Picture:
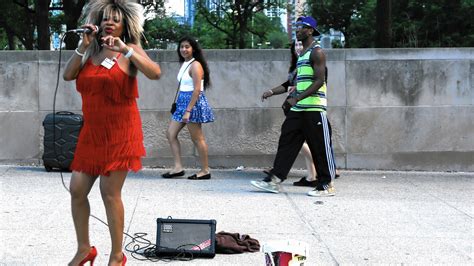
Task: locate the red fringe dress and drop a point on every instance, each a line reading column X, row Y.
column 111, row 137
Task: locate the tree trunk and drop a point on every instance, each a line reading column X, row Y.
column 71, row 40
column 242, row 34
column 11, row 39
column 28, row 43
column 383, row 29
column 42, row 24
column 24, row 26
column 240, row 12
column 72, row 12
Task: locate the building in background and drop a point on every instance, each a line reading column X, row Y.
column 56, row 36
column 296, row 8
column 175, row 9
column 190, row 9
column 333, row 39
column 278, row 13
column 189, row 12
column 180, row 19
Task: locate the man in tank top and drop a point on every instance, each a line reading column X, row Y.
column 306, row 119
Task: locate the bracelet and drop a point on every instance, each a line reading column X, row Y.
column 78, row 53
column 188, row 111
column 271, row 92
column 129, row 53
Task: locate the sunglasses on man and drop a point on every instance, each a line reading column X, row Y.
column 299, row 27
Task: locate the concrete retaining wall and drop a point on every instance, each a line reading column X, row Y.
column 401, row 109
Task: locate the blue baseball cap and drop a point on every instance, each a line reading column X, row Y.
column 310, row 22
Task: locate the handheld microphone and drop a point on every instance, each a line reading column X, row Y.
column 83, row 30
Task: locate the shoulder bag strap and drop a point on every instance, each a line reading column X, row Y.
column 179, row 84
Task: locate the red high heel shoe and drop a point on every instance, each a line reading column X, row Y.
column 90, row 257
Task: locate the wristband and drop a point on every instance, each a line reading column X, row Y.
column 188, row 111
column 271, row 92
column 129, row 53
column 78, row 53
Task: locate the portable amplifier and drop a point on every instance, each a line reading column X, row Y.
column 183, row 237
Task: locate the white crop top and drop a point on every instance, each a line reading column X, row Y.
column 186, row 80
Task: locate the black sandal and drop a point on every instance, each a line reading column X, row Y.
column 303, row 182
column 169, row 175
column 195, row 177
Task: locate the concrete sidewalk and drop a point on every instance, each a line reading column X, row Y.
column 375, row 218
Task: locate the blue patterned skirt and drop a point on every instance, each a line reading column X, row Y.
column 201, row 112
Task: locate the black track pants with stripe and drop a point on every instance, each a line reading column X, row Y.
column 314, row 128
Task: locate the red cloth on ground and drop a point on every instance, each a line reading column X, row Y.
column 111, row 137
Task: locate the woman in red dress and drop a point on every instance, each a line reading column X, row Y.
column 110, row 144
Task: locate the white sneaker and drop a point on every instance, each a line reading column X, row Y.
column 270, row 186
column 330, row 191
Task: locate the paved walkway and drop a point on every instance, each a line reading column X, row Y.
column 375, row 218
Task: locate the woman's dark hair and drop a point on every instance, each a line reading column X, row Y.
column 294, row 58
column 198, row 55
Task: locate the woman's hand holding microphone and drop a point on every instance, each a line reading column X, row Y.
column 87, row 37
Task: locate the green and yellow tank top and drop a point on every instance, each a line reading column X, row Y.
column 316, row 102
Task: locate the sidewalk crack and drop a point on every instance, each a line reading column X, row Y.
column 314, row 231
column 133, row 212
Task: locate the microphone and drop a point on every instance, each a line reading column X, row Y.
column 83, row 30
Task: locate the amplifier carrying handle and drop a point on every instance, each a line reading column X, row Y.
column 64, row 113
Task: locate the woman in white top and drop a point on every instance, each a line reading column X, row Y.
column 192, row 108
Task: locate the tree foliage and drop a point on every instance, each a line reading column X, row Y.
column 439, row 23
column 261, row 30
column 208, row 36
column 161, row 31
column 414, row 23
column 337, row 14
column 233, row 17
column 27, row 23
column 359, row 34
column 18, row 24
column 278, row 39
column 265, row 29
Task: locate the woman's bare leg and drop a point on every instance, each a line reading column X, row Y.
column 199, row 140
column 111, row 191
column 79, row 187
column 309, row 162
column 172, row 135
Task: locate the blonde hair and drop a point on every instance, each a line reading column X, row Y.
column 130, row 12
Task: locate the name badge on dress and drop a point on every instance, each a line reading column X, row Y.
column 108, row 63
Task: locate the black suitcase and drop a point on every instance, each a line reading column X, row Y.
column 185, row 238
column 60, row 144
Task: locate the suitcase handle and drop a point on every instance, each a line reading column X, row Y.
column 64, row 113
